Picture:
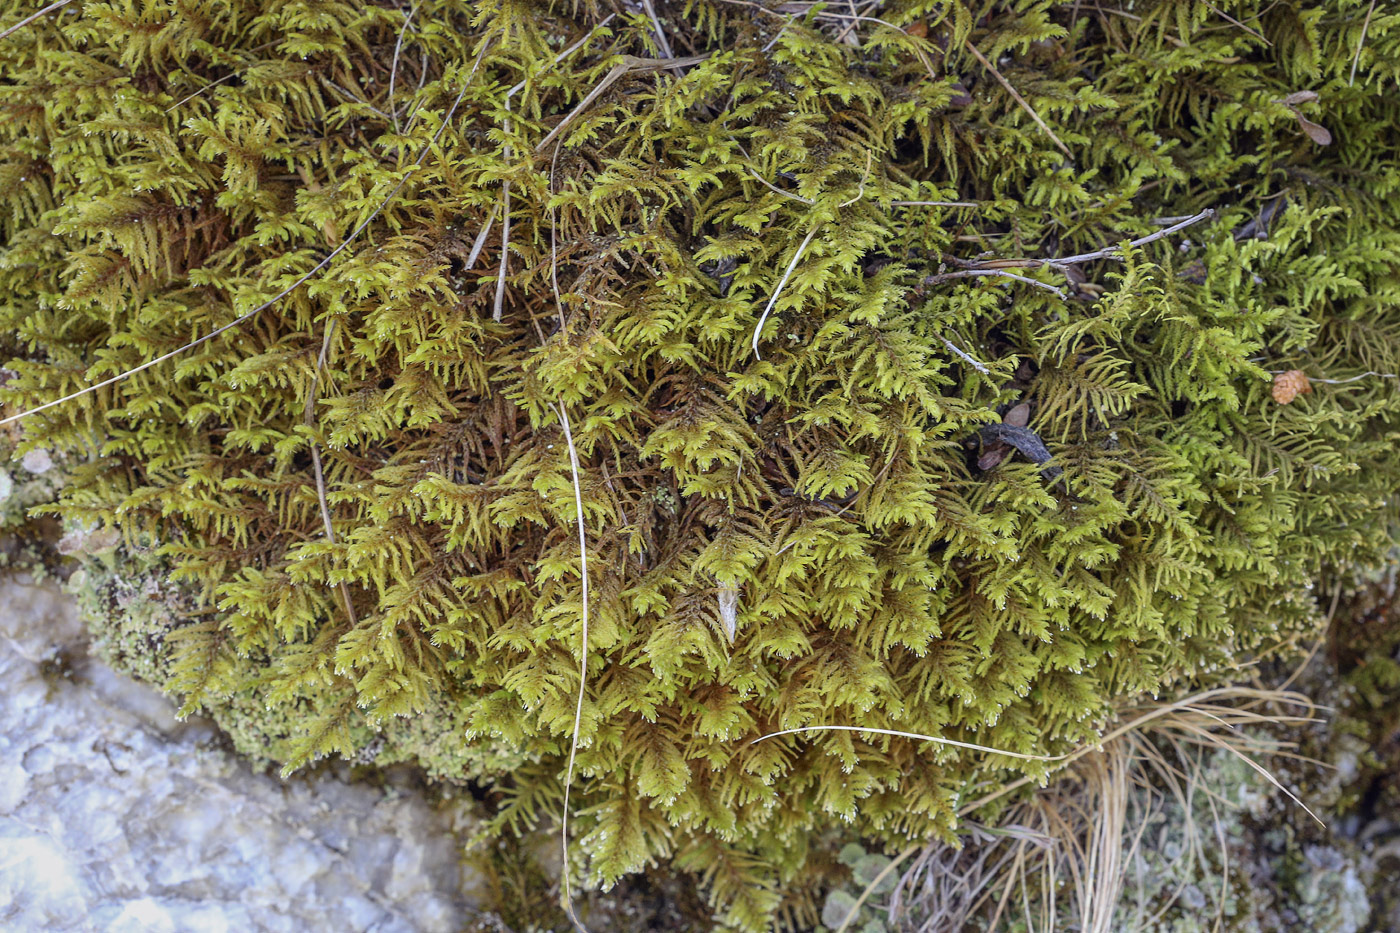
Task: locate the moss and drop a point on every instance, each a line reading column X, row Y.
column 128, row 600
column 26, row 543
column 431, row 245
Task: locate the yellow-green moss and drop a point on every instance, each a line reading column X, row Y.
column 167, row 166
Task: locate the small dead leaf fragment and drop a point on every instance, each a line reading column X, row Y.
column 1290, row 385
column 1019, row 416
column 992, row 457
column 729, row 609
column 1300, row 97
column 1316, row 132
column 918, row 30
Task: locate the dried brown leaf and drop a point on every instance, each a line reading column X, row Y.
column 992, row 456
column 1316, row 132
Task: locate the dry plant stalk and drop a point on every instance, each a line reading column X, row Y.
column 565, row 893
column 62, row 3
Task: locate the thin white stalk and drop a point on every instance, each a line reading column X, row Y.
column 33, row 16
column 913, row 735
column 582, row 664
column 758, row 330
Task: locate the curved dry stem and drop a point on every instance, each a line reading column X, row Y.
column 914, row 735
column 1089, row 814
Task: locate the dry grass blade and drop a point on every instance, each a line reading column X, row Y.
column 777, row 190
column 499, row 303
column 212, row 84
column 1111, row 252
column 763, row 318
column 1084, row 831
column 480, row 243
column 662, row 42
column 566, row 894
column 1003, row 273
column 935, row 204
column 352, row 96
column 33, row 16
column 309, row 419
column 629, row 63
column 1016, row 95
column 1361, row 43
column 965, row 356
column 1228, row 18
column 872, row 886
column 394, row 66
column 913, row 735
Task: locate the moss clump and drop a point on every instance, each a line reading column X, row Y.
column 776, row 355
column 129, row 602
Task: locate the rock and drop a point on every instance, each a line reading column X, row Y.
column 115, row 817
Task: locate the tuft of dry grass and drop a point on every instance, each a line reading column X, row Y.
column 1064, row 851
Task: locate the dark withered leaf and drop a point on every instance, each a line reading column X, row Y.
column 992, row 456
column 1026, row 441
column 1258, row 226
column 1316, row 132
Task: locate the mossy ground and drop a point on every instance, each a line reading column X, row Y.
column 508, row 305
